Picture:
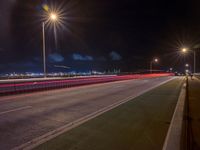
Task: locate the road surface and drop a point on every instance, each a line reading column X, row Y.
column 25, row 117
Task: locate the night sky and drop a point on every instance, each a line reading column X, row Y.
column 99, row 34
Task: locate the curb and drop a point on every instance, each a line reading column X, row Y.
column 174, row 134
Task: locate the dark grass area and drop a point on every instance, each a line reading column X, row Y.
column 140, row 124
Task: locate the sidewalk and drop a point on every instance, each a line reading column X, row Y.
column 194, row 113
column 140, row 124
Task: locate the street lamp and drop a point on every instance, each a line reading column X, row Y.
column 53, row 17
column 151, row 63
column 186, row 71
column 184, row 50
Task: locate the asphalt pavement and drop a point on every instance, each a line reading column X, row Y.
column 139, row 124
column 28, row 116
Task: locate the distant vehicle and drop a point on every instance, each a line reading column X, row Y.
column 178, row 74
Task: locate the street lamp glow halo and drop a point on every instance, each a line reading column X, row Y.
column 53, row 17
column 184, row 50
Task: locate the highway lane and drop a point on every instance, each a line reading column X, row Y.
column 24, row 117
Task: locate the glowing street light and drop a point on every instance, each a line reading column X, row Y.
column 155, row 60
column 186, row 65
column 53, row 17
column 184, row 50
column 151, row 63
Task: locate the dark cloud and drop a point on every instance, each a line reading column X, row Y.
column 115, row 56
column 55, row 57
column 79, row 57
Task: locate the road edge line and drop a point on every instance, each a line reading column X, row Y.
column 52, row 134
column 175, row 130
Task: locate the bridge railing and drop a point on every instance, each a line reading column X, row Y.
column 17, row 88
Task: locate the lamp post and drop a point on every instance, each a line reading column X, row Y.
column 184, row 50
column 52, row 17
column 151, row 64
column 44, row 50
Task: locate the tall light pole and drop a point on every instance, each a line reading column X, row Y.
column 52, row 17
column 184, row 50
column 194, row 61
column 44, row 50
column 151, row 63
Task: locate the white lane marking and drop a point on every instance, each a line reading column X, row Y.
column 13, row 110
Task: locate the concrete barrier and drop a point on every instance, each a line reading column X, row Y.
column 16, row 88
